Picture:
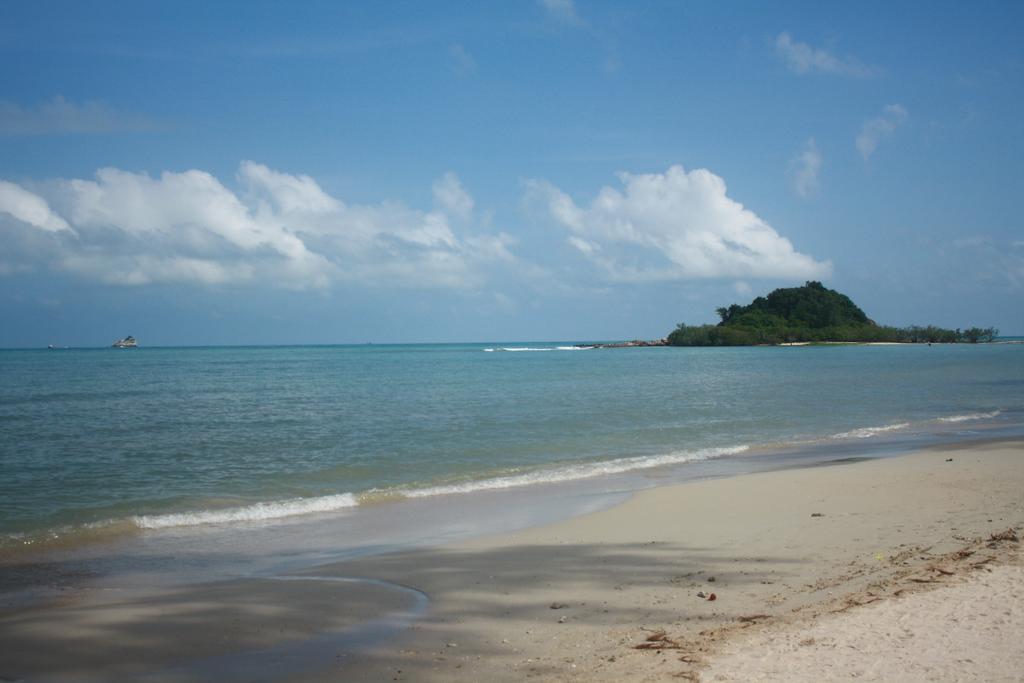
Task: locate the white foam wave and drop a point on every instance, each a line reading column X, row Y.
column 538, row 348
column 574, row 472
column 970, row 416
column 868, row 432
column 248, row 513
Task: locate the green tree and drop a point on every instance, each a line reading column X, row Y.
column 811, row 313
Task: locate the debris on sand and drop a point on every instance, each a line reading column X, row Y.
column 658, row 640
column 1008, row 535
column 752, row 618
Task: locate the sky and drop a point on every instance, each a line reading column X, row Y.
column 198, row 173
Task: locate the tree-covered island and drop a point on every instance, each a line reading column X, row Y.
column 812, row 313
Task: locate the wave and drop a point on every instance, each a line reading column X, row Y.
column 868, row 432
column 280, row 509
column 285, row 508
column 536, row 348
column 248, row 513
column 302, row 506
column 970, row 416
column 574, row 472
column 276, row 510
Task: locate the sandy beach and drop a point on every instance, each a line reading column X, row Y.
column 569, row 341
column 815, row 573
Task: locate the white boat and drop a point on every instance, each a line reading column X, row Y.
column 126, row 343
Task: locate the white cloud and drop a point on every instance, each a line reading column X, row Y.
column 741, row 288
column 61, row 116
column 563, row 14
column 144, row 269
column 588, row 248
column 873, row 130
column 804, row 169
column 674, row 225
column 462, row 62
column 562, row 11
column 971, row 242
column 29, row 208
column 450, row 197
column 802, row 58
column 279, row 230
column 983, row 258
column 286, row 193
column 13, row 268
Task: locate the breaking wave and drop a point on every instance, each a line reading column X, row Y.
column 970, row 416
column 868, row 432
column 537, row 348
column 248, row 513
column 574, row 472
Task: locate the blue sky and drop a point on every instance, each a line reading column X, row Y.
column 229, row 173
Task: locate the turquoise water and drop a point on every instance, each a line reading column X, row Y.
column 165, row 437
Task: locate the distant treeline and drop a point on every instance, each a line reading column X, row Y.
column 811, row 313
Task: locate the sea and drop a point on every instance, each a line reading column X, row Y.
column 323, row 452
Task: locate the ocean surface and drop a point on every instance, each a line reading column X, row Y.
column 103, row 442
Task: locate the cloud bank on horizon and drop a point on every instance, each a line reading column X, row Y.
column 126, row 228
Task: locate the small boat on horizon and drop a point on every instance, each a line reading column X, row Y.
column 126, row 343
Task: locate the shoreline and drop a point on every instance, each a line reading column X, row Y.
column 571, row 600
column 628, row 471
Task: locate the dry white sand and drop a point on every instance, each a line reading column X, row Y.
column 972, row 631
